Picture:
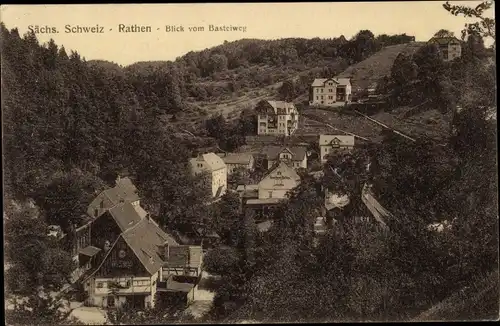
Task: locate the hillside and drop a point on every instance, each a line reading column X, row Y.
column 478, row 301
column 235, row 75
column 367, row 73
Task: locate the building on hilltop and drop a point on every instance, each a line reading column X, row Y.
column 215, row 169
column 334, row 143
column 237, row 160
column 294, row 156
column 449, row 47
column 330, row 92
column 277, row 118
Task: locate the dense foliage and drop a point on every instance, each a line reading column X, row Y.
column 70, row 126
column 443, row 228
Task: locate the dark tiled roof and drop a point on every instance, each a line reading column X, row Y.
column 236, row 158
column 147, row 240
column 123, row 191
column 272, row 152
column 125, row 215
column 444, row 40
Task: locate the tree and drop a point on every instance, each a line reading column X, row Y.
column 443, row 33
column 225, row 216
column 33, row 254
column 484, row 27
column 65, row 200
column 287, row 90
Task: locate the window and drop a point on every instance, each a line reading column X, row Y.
column 321, row 96
column 317, row 97
column 330, row 90
column 279, row 173
column 200, row 165
column 99, row 285
column 270, row 194
column 322, row 90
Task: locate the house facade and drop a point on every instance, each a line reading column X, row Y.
column 330, row 92
column 235, row 161
column 294, row 156
column 449, row 47
column 334, row 143
column 278, row 182
column 215, row 169
column 128, row 261
column 276, row 118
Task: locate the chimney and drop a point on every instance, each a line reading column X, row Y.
column 118, row 178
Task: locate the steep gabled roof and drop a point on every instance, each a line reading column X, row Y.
column 285, row 167
column 147, row 240
column 125, row 215
column 273, row 152
column 344, row 140
column 213, row 161
column 444, row 40
column 123, row 191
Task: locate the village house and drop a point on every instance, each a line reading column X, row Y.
column 294, row 156
column 449, row 47
column 78, row 241
column 277, row 118
column 330, row 92
column 215, row 169
column 131, row 262
column 333, row 143
column 273, row 188
column 235, row 161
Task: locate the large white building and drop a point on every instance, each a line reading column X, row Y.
column 330, row 91
column 216, row 171
column 277, row 118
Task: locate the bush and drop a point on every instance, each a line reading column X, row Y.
column 220, row 260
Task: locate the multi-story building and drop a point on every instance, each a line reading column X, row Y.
column 215, row 169
column 278, row 182
column 130, row 263
column 294, row 156
column 329, row 144
column 330, row 92
column 449, row 47
column 277, row 118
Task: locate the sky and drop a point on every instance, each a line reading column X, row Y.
column 261, row 20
